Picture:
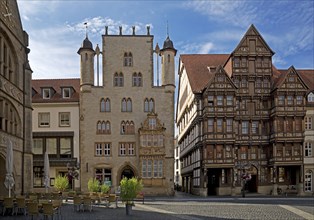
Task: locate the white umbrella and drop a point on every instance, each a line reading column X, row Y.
column 9, row 180
column 46, row 171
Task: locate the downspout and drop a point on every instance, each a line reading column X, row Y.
column 24, row 121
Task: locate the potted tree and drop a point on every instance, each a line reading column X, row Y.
column 129, row 190
column 93, row 185
column 61, row 183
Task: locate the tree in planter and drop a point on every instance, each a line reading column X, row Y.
column 61, row 183
column 129, row 190
column 93, row 185
column 104, row 188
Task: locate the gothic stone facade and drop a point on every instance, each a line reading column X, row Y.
column 238, row 116
column 15, row 98
column 126, row 122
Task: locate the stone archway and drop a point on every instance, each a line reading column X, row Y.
column 126, row 170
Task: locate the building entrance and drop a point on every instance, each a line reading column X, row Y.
column 212, row 181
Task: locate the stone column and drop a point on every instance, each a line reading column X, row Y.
column 275, row 185
column 300, row 177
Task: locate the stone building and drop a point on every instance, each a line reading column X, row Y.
column 56, row 130
column 127, row 122
column 15, row 98
column 239, row 118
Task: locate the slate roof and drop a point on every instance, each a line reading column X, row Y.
column 56, row 85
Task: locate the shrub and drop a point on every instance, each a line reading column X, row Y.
column 104, row 188
column 93, row 185
column 61, row 183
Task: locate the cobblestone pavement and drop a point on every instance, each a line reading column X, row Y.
column 189, row 207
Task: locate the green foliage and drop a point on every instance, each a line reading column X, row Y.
column 129, row 189
column 104, row 188
column 61, row 183
column 93, row 185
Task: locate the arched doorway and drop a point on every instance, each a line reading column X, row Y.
column 127, row 172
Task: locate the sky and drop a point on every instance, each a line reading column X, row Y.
column 56, row 28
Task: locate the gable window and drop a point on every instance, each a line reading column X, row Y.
column 128, row 59
column 46, row 94
column 310, row 97
column 152, row 123
column 44, row 119
column 66, row 93
column 64, row 119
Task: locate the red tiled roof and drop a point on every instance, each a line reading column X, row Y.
column 57, row 85
column 308, row 77
column 196, row 66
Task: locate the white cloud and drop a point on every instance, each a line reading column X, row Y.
column 30, row 8
column 206, row 48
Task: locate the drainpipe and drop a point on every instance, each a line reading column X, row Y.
column 24, row 121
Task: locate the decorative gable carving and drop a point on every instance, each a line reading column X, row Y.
column 152, row 123
column 220, row 80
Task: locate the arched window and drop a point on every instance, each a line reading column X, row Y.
column 168, row 58
column 7, row 67
column 98, row 127
column 108, row 129
column 123, row 128
column 123, row 105
column 102, row 105
column 129, row 105
column 120, row 83
column 128, row 59
column 146, row 105
column 103, row 127
column 131, row 128
column 151, row 105
column 116, row 79
column 137, row 79
column 107, row 105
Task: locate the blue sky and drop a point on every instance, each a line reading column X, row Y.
column 56, row 28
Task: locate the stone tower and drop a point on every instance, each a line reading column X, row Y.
column 167, row 54
column 87, row 54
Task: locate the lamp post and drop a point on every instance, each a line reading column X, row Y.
column 73, row 172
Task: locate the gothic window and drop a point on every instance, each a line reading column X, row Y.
column 129, row 105
column 118, row 80
column 151, row 105
column 102, row 105
column 107, row 105
column 128, row 59
column 152, row 168
column 152, row 123
column 103, row 127
column 137, row 79
column 146, row 105
column 7, row 61
column 127, row 127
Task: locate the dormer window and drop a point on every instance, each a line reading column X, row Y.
column 46, row 93
column 310, row 97
column 66, row 93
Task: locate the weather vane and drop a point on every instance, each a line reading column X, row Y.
column 85, row 28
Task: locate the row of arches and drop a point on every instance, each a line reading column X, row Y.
column 126, row 105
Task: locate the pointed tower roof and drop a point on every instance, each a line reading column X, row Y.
column 86, row 45
column 168, row 45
